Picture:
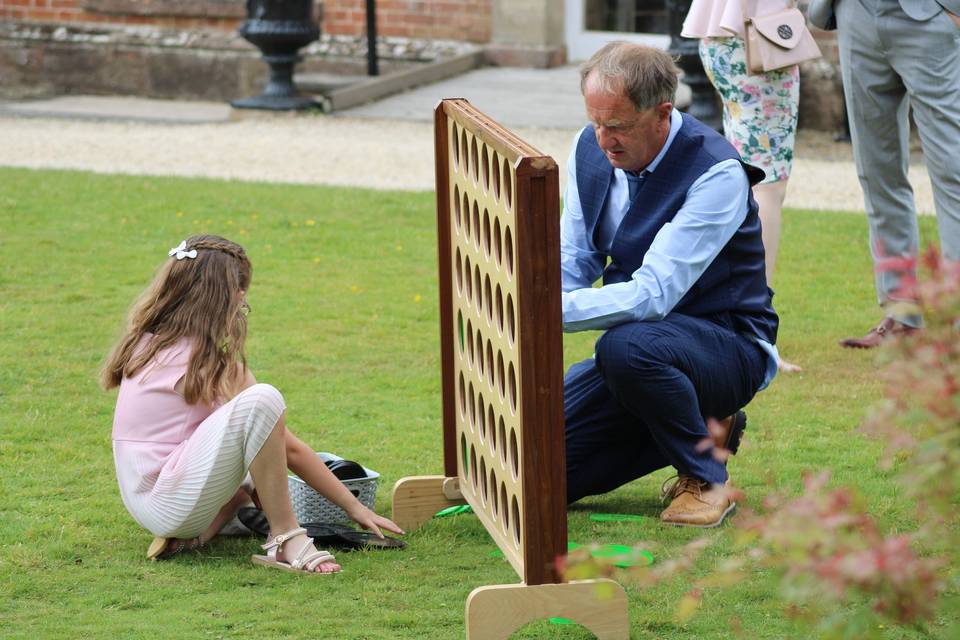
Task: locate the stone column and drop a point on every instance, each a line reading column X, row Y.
column 527, row 33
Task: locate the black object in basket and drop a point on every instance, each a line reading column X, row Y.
column 346, row 469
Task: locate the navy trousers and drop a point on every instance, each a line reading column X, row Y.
column 640, row 404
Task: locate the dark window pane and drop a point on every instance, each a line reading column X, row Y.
column 628, row 16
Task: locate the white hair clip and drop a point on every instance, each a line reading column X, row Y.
column 181, row 251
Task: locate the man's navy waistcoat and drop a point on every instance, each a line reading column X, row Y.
column 733, row 290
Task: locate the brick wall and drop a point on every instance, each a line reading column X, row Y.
column 87, row 12
column 468, row 20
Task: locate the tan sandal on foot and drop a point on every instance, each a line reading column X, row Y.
column 305, row 561
column 163, row 548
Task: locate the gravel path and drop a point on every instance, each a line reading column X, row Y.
column 350, row 151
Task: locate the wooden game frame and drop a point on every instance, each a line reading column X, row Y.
column 513, row 310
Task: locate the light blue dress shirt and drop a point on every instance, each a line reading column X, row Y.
column 713, row 210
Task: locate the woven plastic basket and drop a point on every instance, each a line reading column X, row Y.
column 310, row 506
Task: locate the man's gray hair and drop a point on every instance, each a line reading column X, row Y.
column 645, row 75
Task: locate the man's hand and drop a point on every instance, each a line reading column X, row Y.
column 954, row 17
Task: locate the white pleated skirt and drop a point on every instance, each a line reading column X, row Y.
column 202, row 473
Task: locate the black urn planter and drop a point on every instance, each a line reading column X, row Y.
column 703, row 105
column 279, row 28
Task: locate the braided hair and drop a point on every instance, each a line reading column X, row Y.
column 198, row 297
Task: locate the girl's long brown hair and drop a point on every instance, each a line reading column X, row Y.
column 195, row 298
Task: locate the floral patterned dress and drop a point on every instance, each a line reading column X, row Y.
column 759, row 111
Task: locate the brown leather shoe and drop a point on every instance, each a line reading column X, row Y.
column 733, row 428
column 887, row 328
column 696, row 503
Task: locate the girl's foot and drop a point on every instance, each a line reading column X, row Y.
column 163, row 548
column 302, row 546
column 294, row 551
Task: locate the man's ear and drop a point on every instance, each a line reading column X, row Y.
column 663, row 111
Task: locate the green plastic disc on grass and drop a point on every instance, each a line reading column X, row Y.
column 454, row 510
column 611, row 551
column 561, row 621
column 630, row 557
column 616, row 517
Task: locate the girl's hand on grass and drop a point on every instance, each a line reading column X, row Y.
column 370, row 520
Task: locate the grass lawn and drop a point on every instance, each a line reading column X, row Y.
column 344, row 323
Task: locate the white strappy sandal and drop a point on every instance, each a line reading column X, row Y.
column 305, row 561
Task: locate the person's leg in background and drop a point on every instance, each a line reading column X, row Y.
column 927, row 57
column 877, row 105
column 769, row 197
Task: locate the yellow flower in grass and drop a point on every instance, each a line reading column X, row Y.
column 310, row 223
column 179, row 214
column 354, row 288
column 417, row 298
column 316, row 260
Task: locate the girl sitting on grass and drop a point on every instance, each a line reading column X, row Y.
column 191, row 420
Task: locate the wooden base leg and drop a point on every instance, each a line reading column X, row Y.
column 416, row 499
column 496, row 611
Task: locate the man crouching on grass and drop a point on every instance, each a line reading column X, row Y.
column 659, row 205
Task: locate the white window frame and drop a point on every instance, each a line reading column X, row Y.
column 581, row 44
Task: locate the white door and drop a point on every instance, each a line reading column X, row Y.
column 590, row 24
